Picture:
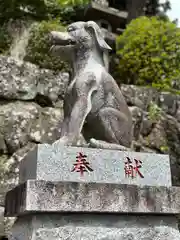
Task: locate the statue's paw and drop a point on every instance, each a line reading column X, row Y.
column 105, row 145
column 92, row 142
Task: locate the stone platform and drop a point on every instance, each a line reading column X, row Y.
column 42, row 196
column 55, row 163
column 93, row 211
column 93, row 226
column 106, row 202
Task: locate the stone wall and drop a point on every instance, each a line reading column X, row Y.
column 30, row 113
column 31, row 101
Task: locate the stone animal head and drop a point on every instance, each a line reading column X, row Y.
column 80, row 36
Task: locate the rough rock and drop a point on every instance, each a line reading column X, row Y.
column 139, row 96
column 168, row 103
column 21, row 122
column 47, row 126
column 25, row 81
column 52, row 86
column 151, row 139
column 147, row 124
column 137, row 116
column 16, row 119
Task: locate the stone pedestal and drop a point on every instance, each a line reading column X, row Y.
column 49, row 226
column 55, row 163
column 103, row 203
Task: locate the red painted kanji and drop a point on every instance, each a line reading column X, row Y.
column 81, row 164
column 131, row 170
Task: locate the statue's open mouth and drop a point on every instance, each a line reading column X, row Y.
column 61, row 39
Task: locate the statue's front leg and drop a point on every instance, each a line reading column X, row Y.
column 64, row 128
column 72, row 126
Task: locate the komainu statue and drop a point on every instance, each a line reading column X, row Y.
column 93, row 99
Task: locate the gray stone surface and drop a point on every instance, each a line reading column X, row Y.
column 25, row 122
column 25, row 81
column 55, row 163
column 44, row 196
column 95, row 227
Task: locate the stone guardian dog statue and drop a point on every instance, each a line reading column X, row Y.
column 92, row 97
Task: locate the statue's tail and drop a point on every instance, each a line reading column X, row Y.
column 105, row 145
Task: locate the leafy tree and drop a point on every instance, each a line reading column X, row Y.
column 67, row 10
column 13, row 9
column 149, row 53
column 38, row 9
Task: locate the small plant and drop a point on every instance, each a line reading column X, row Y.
column 164, row 149
column 154, row 111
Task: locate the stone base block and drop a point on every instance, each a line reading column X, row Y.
column 94, row 227
column 43, row 196
column 57, row 163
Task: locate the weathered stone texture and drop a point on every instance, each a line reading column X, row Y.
column 25, row 81
column 48, row 196
column 53, row 162
column 95, row 227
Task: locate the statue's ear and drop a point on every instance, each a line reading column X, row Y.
column 98, row 35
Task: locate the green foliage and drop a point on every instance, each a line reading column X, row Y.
column 72, row 2
column 13, row 9
column 164, row 149
column 39, row 46
column 67, row 10
column 149, row 53
column 154, row 112
column 37, row 9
